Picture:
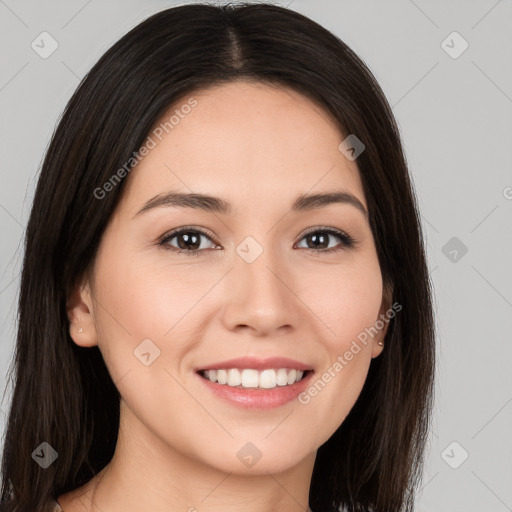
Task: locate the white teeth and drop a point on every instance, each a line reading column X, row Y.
column 292, row 375
column 249, row 378
column 234, row 377
column 282, row 377
column 268, row 379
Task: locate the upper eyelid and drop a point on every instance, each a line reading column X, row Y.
column 178, row 231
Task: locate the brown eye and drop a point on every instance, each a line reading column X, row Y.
column 188, row 241
column 318, row 240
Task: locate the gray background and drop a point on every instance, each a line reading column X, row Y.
column 455, row 118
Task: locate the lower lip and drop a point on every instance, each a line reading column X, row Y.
column 250, row 398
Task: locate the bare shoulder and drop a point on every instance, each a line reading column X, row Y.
column 74, row 501
column 56, row 506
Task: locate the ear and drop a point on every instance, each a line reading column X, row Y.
column 382, row 320
column 79, row 307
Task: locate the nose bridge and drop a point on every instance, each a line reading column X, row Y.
column 257, row 264
column 260, row 294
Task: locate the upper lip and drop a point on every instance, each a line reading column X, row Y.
column 257, row 364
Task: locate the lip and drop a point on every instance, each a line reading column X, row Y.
column 256, row 363
column 250, row 398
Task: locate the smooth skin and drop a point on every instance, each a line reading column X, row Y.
column 257, row 147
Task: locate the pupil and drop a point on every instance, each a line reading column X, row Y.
column 315, row 239
column 188, row 238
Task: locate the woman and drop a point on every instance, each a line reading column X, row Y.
column 225, row 301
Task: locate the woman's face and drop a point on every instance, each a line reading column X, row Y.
column 262, row 284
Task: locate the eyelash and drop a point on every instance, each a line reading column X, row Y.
column 347, row 241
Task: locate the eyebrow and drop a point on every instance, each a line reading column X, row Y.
column 305, row 202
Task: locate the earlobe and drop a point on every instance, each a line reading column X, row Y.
column 382, row 322
column 82, row 328
column 377, row 349
column 378, row 342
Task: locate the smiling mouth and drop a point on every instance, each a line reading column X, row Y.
column 248, row 378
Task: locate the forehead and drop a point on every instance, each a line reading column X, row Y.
column 245, row 142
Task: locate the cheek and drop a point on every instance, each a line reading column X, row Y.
column 149, row 305
column 143, row 319
column 347, row 301
column 345, row 298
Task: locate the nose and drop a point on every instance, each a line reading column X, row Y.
column 260, row 296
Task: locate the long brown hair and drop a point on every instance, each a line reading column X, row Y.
column 63, row 394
